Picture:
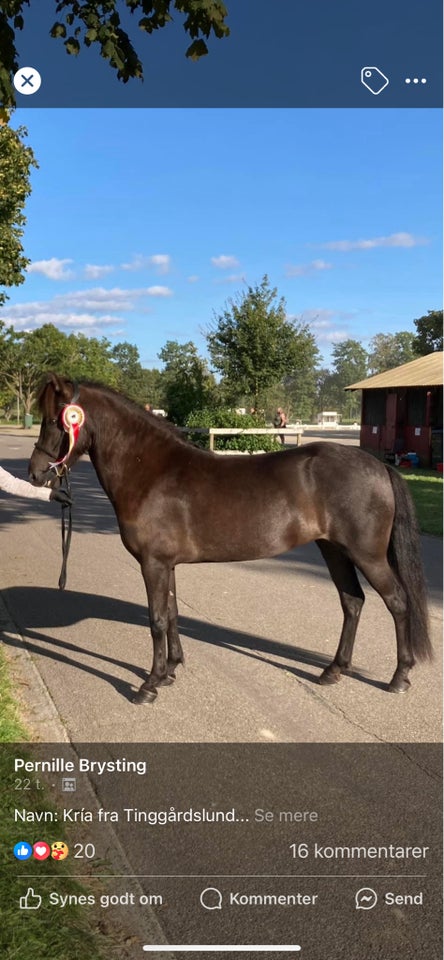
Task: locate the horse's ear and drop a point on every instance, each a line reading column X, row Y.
column 62, row 387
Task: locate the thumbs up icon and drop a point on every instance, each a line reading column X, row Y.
column 31, row 900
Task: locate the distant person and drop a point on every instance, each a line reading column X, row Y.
column 280, row 420
column 148, row 407
column 21, row 488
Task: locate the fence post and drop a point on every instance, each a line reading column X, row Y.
column 211, row 439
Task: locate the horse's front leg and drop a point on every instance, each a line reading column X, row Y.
column 175, row 652
column 156, row 575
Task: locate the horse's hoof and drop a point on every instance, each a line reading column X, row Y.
column 145, row 696
column 328, row 678
column 399, row 686
column 168, row 680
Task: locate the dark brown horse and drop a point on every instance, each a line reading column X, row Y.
column 178, row 504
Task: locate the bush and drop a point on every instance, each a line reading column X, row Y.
column 224, row 417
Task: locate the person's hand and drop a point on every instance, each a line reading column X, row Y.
column 61, row 496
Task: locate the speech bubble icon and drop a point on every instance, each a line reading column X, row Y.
column 211, row 898
column 366, row 898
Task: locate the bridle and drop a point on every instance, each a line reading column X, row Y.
column 72, row 417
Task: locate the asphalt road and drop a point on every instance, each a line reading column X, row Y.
column 255, row 635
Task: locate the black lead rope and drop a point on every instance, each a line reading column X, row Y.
column 66, row 529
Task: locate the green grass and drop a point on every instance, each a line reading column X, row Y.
column 426, row 489
column 11, row 726
column 49, row 933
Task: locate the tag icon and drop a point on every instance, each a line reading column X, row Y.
column 374, row 79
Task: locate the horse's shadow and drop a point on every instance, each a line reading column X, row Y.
column 42, row 607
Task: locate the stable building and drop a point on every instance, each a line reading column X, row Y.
column 402, row 410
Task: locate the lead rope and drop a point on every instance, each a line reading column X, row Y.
column 66, row 529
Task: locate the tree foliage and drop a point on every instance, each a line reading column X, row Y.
column 389, row 350
column 188, row 384
column 25, row 356
column 103, row 23
column 227, row 417
column 16, row 160
column 254, row 346
column 350, row 364
column 429, row 333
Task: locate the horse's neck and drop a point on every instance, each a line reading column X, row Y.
column 113, row 450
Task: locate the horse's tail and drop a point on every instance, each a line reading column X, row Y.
column 404, row 556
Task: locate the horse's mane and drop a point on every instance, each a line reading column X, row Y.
column 158, row 423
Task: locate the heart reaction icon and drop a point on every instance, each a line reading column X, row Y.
column 41, row 850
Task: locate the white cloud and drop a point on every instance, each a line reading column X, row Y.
column 304, row 269
column 95, row 271
column 93, row 311
column 224, row 262
column 30, row 316
column 328, row 326
column 231, row 278
column 159, row 292
column 394, row 240
column 160, row 261
column 193, row 279
column 53, row 269
column 99, row 298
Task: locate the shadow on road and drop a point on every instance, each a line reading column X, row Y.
column 49, row 609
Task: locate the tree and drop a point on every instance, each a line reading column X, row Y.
column 24, row 358
column 388, row 350
column 428, row 333
column 16, row 160
column 99, row 22
column 349, row 361
column 152, row 387
column 89, row 358
column 254, row 346
column 128, row 369
column 328, row 392
column 350, row 365
column 188, row 384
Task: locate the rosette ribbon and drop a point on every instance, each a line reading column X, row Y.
column 73, row 418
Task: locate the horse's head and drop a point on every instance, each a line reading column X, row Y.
column 63, row 435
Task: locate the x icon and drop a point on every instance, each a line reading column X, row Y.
column 27, row 81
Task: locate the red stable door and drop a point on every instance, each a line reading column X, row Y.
column 390, row 420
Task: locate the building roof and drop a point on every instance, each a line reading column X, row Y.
column 423, row 372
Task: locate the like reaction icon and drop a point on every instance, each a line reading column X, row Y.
column 22, row 850
column 31, row 900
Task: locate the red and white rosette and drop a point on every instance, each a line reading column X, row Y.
column 73, row 418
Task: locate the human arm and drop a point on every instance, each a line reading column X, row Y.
column 21, row 488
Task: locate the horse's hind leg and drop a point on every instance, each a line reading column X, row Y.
column 156, row 576
column 383, row 579
column 175, row 652
column 343, row 574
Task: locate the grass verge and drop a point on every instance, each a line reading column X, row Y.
column 426, row 489
column 49, row 933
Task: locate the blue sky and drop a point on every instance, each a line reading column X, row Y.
column 143, row 223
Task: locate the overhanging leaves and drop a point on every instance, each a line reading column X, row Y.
column 100, row 22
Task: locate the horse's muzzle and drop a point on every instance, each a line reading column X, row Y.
column 44, row 478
